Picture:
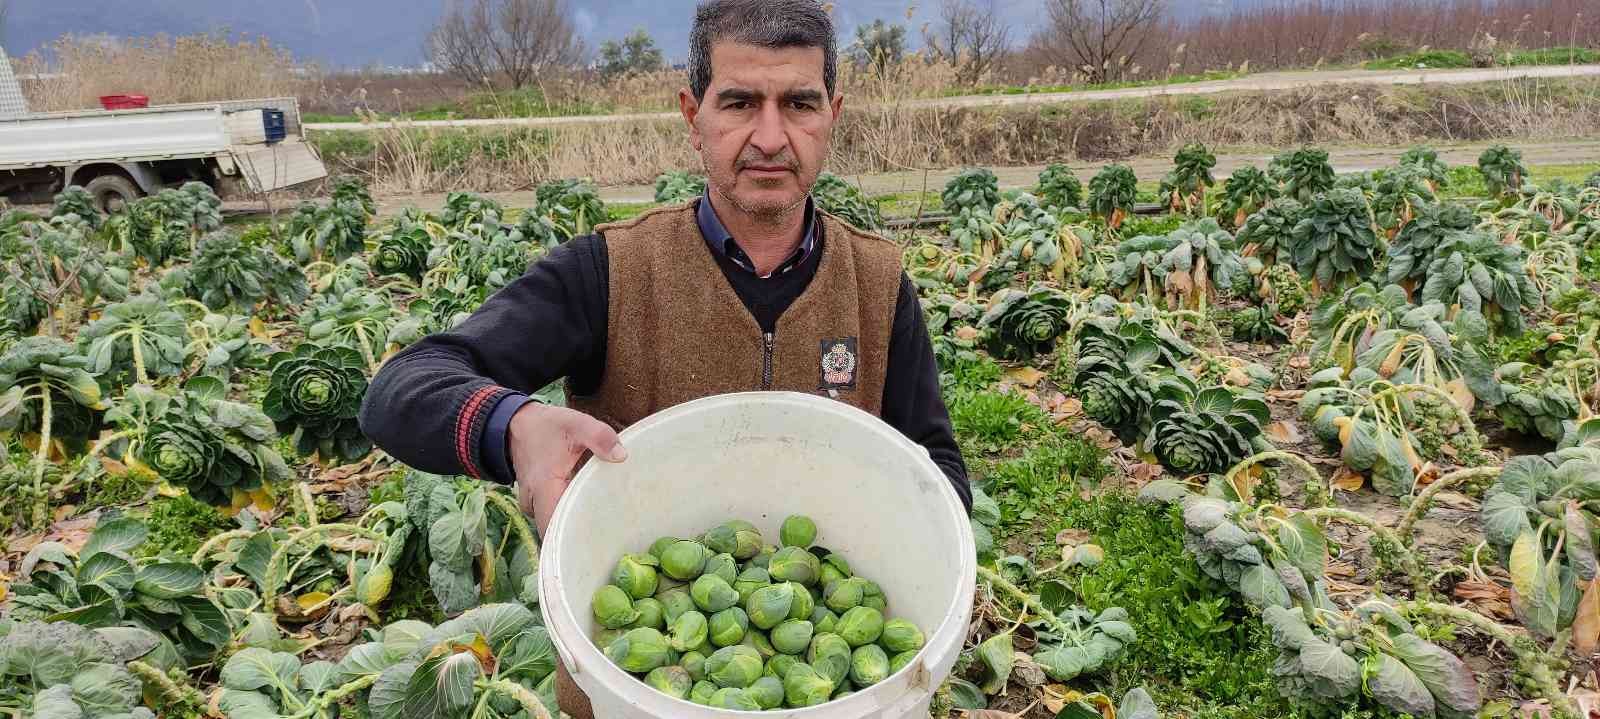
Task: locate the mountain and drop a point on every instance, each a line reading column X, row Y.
column 354, row 33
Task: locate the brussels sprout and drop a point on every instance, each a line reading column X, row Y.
column 900, row 635
column 613, row 609
column 712, row 594
column 694, row 663
column 651, row 614
column 780, row 664
column 792, row 636
column 861, row 625
column 636, row 574
column 684, row 560
column 749, row 580
column 797, row 531
column 764, row 557
column 724, row 566
column 824, row 620
column 759, row 642
column 899, row 661
column 873, row 597
column 728, row 627
column 734, row 699
column 830, row 656
column 843, row 692
column 767, row 691
column 770, row 605
column 605, row 637
column 702, row 692
column 868, row 665
column 738, row 538
column 665, row 583
column 675, row 602
column 689, row 632
column 659, row 547
column 805, row 602
column 829, row 575
column 674, row 681
column 794, row 564
column 844, row 594
column 737, row 666
column 803, row 686
column 639, row 651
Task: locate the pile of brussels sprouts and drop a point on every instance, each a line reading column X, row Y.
column 729, row 621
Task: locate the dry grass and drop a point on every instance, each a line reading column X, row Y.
column 902, row 137
column 76, row 71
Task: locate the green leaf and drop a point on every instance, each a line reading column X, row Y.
column 1289, row 629
column 123, row 534
column 104, row 689
column 255, row 556
column 497, row 623
column 56, row 703
column 1304, row 545
column 169, row 580
column 362, row 660
column 1445, row 675
column 1580, row 542
column 1137, row 704
column 236, row 704
column 474, row 522
column 389, row 691
column 1056, row 596
column 448, row 543
column 1261, row 587
column 1324, row 661
column 255, row 668
column 442, row 687
column 1505, row 517
column 1395, row 686
column 455, row 589
column 317, row 677
column 107, row 569
column 997, row 657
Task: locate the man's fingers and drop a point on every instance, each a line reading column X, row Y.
column 597, row 437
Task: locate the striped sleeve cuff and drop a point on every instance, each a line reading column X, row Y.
column 471, row 420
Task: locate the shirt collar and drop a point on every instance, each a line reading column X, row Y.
column 723, row 244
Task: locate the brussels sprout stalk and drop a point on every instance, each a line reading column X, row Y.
column 529, row 701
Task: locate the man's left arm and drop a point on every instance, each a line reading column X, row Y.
column 911, row 399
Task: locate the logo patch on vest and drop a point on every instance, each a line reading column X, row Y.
column 838, row 363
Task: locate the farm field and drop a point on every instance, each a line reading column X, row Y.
column 1318, row 439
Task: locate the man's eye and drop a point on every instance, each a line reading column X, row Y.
column 738, row 106
column 802, row 106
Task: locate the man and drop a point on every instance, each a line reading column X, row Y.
column 747, row 288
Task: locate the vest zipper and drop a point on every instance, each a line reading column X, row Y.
column 766, row 361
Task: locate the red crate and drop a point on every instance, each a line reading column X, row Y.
column 124, row 102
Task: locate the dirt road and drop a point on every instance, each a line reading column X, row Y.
column 1263, row 81
column 1344, row 159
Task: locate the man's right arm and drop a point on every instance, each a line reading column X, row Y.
column 442, row 404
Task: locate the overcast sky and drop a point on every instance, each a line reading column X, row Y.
column 345, row 33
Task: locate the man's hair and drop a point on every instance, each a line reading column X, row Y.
column 771, row 24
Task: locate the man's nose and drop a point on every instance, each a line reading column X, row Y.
column 769, row 136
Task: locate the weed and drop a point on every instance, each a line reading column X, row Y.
column 970, row 375
column 992, row 420
column 178, row 525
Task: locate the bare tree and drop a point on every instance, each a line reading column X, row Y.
column 509, row 41
column 1098, row 37
column 968, row 35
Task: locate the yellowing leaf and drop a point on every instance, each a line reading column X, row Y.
column 1525, row 564
column 1457, row 389
column 1284, row 432
column 262, row 500
column 1024, row 376
column 1586, row 625
column 1391, row 362
column 310, row 600
column 1347, row 479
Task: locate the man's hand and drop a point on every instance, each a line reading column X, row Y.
column 547, row 443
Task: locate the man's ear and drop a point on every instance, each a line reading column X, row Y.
column 838, row 106
column 690, row 108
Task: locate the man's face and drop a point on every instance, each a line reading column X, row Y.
column 762, row 129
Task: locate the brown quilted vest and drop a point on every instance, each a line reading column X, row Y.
column 677, row 331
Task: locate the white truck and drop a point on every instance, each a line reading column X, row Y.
column 121, row 155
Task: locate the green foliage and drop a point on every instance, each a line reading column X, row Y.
column 1187, row 266
column 1258, row 324
column 1059, row 188
column 846, row 201
column 992, row 419
column 1204, row 431
column 1184, row 189
column 55, row 266
column 351, row 189
column 166, row 225
column 636, row 53
column 1502, row 170
column 404, row 249
column 465, row 209
column 329, row 232
column 1536, row 517
column 1414, row 247
column 179, row 524
column 102, row 585
column 1020, row 325
column 573, row 205
column 1334, row 244
column 360, row 319
column 974, row 189
column 1117, row 371
column 1535, row 401
column 61, row 669
column 472, row 549
column 204, row 443
column 1478, row 274
column 1425, row 161
column 1247, row 191
column 1398, row 194
column 314, row 396
column 1304, row 173
column 135, row 340
column 1112, row 193
column 1372, row 438
column 40, row 372
column 228, row 272
column 75, row 200
column 674, row 187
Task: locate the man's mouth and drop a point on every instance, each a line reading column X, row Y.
column 766, row 169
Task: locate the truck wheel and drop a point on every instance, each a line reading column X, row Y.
column 112, row 192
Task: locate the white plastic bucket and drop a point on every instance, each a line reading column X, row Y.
column 876, row 497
